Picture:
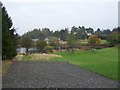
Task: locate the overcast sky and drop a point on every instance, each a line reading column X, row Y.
column 58, row 14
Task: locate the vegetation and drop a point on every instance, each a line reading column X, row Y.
column 36, row 57
column 103, row 61
column 76, row 38
column 27, row 42
column 0, row 68
column 54, row 42
column 5, row 66
column 63, row 34
column 8, row 36
column 71, row 43
column 94, row 41
column 49, row 49
column 41, row 45
column 114, row 38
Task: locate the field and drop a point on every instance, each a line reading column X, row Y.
column 103, row 62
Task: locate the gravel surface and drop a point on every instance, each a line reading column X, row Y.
column 53, row 75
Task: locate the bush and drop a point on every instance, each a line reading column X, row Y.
column 114, row 39
column 94, row 41
column 49, row 49
column 41, row 45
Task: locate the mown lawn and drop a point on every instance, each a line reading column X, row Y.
column 103, row 61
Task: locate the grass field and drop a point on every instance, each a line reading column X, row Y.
column 104, row 61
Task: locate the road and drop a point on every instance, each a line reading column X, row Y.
column 33, row 74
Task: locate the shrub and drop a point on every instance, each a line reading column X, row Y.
column 94, row 41
column 49, row 49
column 41, row 45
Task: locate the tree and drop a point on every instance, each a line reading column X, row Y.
column 27, row 42
column 46, row 31
column 8, row 37
column 107, row 31
column 18, row 40
column 71, row 42
column 90, row 30
column 56, row 34
column 74, row 30
column 94, row 41
column 14, row 37
column 54, row 41
column 114, row 37
column 98, row 32
column 81, row 33
column 36, row 34
column 63, row 34
column 41, row 45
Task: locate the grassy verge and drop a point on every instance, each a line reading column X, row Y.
column 5, row 67
column 36, row 57
column 104, row 61
column 0, row 68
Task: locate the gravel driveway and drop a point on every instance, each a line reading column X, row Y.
column 53, row 75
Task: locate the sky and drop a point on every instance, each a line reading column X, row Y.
column 57, row 14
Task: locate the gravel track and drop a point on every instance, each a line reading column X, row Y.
column 53, row 75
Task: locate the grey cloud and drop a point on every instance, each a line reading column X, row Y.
column 57, row 15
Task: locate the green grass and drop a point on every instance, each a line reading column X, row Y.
column 86, row 41
column 103, row 62
column 103, row 42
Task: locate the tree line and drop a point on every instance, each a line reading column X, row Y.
column 79, row 32
column 71, row 37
